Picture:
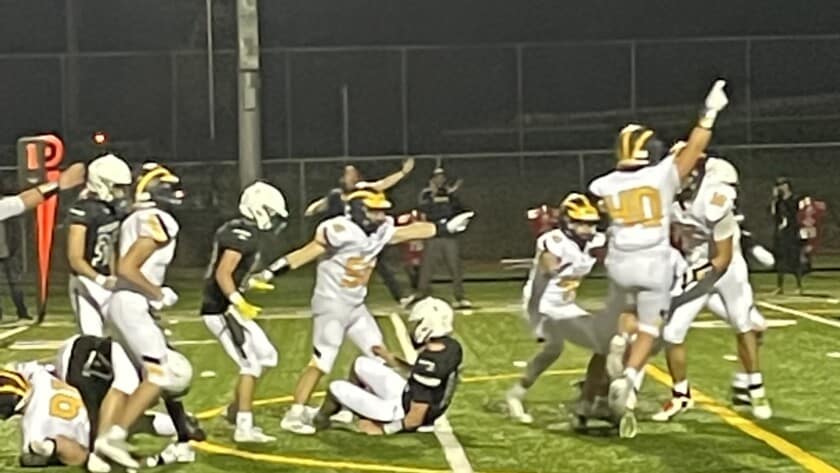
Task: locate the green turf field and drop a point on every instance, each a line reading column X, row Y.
column 801, row 381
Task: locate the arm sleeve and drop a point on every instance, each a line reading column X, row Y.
column 721, row 202
column 10, row 207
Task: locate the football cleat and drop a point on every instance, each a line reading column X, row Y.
column 516, row 409
column 628, row 427
column 296, row 424
column 116, row 450
column 678, row 404
column 252, row 435
column 761, row 408
column 176, row 452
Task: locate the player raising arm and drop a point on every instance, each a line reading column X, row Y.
column 638, row 195
column 346, row 248
column 15, row 205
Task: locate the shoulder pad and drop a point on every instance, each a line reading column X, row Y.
column 337, row 231
column 158, row 225
column 720, row 200
column 553, row 242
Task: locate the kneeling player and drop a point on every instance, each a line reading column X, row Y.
column 711, row 240
column 147, row 246
column 563, row 258
column 227, row 314
column 386, row 402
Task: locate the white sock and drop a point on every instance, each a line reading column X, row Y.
column 244, row 420
column 163, row 425
column 640, row 378
column 518, row 391
column 631, row 374
column 681, row 387
column 296, row 410
column 755, row 379
column 741, row 380
column 117, row 433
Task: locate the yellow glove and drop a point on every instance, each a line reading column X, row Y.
column 246, row 309
column 258, row 284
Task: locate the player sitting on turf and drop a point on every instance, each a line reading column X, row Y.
column 638, row 195
column 710, row 240
column 563, row 258
column 225, row 311
column 388, row 403
column 94, row 222
column 147, row 247
column 346, row 248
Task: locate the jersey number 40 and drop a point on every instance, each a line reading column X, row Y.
column 636, row 206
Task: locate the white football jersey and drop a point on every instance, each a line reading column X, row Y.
column 343, row 272
column 160, row 226
column 558, row 297
column 695, row 220
column 54, row 408
column 638, row 203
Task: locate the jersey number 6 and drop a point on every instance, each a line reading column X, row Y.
column 65, row 404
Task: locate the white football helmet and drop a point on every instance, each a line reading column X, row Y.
column 109, row 177
column 433, row 318
column 721, row 170
column 264, row 204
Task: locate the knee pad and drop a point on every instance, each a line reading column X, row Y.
column 649, row 329
column 173, row 375
column 267, row 356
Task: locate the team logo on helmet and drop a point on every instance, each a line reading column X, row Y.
column 637, row 146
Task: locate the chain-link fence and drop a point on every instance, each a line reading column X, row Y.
column 425, row 99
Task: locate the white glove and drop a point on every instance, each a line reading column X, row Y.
column 44, row 448
column 170, row 298
column 717, row 99
column 108, row 282
column 459, row 223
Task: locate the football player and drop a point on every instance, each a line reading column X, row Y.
column 147, row 246
column 638, row 195
column 710, row 239
column 563, row 258
column 54, row 425
column 94, row 225
column 225, row 311
column 388, row 403
column 346, row 248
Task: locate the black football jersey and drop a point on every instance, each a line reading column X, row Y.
column 335, row 204
column 102, row 229
column 238, row 235
column 433, row 379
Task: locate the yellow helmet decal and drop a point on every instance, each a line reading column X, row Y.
column 371, row 199
column 160, row 172
column 578, row 207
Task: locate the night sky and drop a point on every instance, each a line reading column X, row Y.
column 38, row 25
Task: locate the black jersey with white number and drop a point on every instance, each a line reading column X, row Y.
column 238, row 235
column 102, row 226
column 433, row 379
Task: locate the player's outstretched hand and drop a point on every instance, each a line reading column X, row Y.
column 73, row 176
column 257, row 283
column 246, row 309
column 717, row 99
column 459, row 223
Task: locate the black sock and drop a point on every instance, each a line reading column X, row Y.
column 179, row 418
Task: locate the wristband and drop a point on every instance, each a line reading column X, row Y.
column 707, row 118
column 279, row 267
column 236, row 298
column 393, row 427
column 48, row 189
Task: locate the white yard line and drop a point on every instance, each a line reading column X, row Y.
column 452, row 448
column 14, row 331
column 799, row 313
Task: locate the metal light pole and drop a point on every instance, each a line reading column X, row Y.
column 248, row 35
